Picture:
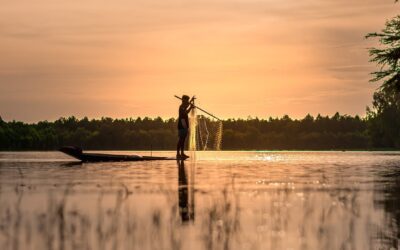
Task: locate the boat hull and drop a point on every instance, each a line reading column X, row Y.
column 78, row 154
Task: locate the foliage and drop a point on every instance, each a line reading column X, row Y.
column 384, row 120
column 384, row 117
column 388, row 56
column 322, row 132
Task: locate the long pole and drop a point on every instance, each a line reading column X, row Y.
column 202, row 110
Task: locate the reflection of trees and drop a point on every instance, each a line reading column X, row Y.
column 333, row 218
column 389, row 198
column 280, row 215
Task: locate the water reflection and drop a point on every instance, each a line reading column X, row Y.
column 315, row 200
column 389, row 198
column 186, row 192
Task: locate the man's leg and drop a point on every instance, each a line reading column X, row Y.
column 183, row 145
column 180, row 146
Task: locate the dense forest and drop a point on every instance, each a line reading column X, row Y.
column 321, row 133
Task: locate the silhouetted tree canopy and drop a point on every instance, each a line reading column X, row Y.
column 387, row 56
column 384, row 117
column 318, row 133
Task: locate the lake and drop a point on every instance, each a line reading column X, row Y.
column 215, row 200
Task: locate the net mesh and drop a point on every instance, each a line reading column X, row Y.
column 205, row 133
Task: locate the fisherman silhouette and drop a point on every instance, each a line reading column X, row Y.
column 183, row 125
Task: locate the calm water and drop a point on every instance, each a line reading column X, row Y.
column 221, row 200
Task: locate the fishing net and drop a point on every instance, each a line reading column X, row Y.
column 205, row 133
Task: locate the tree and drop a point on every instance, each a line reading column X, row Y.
column 384, row 118
column 388, row 56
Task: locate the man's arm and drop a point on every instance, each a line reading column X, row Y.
column 191, row 105
column 190, row 108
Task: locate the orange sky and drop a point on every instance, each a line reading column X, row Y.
column 241, row 58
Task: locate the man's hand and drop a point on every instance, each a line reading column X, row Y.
column 191, row 106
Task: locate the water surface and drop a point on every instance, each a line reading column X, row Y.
column 216, row 200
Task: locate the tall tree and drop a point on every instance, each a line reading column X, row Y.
column 384, row 118
column 388, row 56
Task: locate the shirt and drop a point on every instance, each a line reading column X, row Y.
column 183, row 116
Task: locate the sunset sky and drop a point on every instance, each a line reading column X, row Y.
column 127, row 58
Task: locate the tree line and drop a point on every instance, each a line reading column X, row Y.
column 338, row 132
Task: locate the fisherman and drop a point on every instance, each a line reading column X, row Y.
column 183, row 125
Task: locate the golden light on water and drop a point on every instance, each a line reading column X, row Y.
column 231, row 200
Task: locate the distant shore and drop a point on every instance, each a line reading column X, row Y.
column 321, row 133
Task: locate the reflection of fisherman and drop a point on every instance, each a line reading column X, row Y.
column 186, row 193
column 183, row 125
column 183, row 192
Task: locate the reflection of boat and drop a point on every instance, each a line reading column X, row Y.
column 185, row 192
column 77, row 153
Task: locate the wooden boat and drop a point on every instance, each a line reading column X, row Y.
column 77, row 153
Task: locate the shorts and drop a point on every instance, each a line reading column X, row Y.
column 182, row 132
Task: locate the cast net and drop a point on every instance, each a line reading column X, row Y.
column 205, row 133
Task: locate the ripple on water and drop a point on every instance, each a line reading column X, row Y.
column 221, row 200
